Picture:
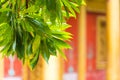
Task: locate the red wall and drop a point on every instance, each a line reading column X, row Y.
column 92, row 72
column 91, row 41
column 17, row 67
column 72, row 54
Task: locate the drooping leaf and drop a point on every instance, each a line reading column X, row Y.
column 61, row 44
column 44, row 50
column 33, row 61
column 61, row 53
column 5, row 9
column 51, row 48
column 36, row 43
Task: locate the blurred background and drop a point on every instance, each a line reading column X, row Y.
column 94, row 54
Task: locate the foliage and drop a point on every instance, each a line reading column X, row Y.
column 29, row 28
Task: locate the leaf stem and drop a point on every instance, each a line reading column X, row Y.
column 27, row 3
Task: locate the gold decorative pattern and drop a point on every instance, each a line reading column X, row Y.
column 101, row 56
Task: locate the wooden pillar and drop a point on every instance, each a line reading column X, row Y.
column 45, row 71
column 1, row 68
column 53, row 70
column 82, row 44
column 36, row 74
column 113, row 28
column 25, row 72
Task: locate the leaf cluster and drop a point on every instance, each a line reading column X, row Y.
column 30, row 28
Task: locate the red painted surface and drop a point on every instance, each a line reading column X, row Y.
column 91, row 41
column 92, row 72
column 72, row 54
column 17, row 67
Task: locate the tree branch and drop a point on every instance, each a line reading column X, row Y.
column 27, row 3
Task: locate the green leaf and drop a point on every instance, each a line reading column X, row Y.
column 3, row 18
column 61, row 35
column 68, row 6
column 20, row 48
column 3, row 26
column 29, row 49
column 61, row 53
column 51, row 48
column 26, row 26
column 34, row 61
column 61, row 44
column 14, row 45
column 31, row 9
column 20, row 51
column 44, row 50
column 36, row 43
column 40, row 3
column 5, row 9
column 39, row 26
column 5, row 49
column 75, row 7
